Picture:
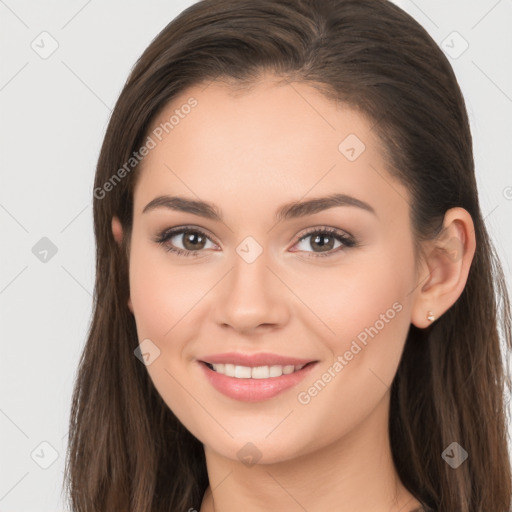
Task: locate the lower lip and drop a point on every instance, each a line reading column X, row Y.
column 254, row 390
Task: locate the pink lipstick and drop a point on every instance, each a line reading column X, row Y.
column 254, row 377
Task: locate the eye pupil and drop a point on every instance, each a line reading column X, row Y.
column 195, row 240
column 320, row 241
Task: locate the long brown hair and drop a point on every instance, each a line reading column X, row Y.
column 127, row 451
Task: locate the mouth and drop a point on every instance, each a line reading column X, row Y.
column 255, row 372
column 256, row 377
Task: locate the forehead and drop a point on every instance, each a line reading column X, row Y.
column 275, row 141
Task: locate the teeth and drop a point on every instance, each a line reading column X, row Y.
column 256, row 372
column 242, row 372
column 260, row 372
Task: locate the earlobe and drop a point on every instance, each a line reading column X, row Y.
column 446, row 268
column 117, row 229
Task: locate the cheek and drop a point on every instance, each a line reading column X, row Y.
column 161, row 295
column 152, row 307
column 366, row 306
column 347, row 300
column 370, row 315
column 387, row 322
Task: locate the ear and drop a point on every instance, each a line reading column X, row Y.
column 117, row 229
column 117, row 232
column 444, row 271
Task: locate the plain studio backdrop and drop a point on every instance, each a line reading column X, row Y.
column 63, row 66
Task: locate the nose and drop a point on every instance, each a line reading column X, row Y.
column 252, row 298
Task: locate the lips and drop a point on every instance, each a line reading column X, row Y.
column 251, row 360
column 254, row 377
column 254, row 372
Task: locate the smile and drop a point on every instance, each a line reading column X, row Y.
column 256, row 372
column 253, row 377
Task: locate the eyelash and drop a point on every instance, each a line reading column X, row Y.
column 347, row 241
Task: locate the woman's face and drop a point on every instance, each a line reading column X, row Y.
column 269, row 285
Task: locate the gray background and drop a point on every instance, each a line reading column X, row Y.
column 54, row 112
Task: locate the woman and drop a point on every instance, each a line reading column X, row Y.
column 295, row 293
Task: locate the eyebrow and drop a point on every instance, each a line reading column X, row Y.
column 292, row 210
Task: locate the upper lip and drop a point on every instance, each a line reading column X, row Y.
column 252, row 360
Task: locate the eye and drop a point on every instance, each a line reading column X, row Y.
column 324, row 239
column 192, row 240
column 189, row 241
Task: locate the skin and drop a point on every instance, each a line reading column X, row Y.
column 249, row 152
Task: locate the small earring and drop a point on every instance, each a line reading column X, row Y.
column 430, row 316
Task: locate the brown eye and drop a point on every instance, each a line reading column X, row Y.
column 324, row 242
column 193, row 240
column 185, row 241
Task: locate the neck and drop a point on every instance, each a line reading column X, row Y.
column 354, row 474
